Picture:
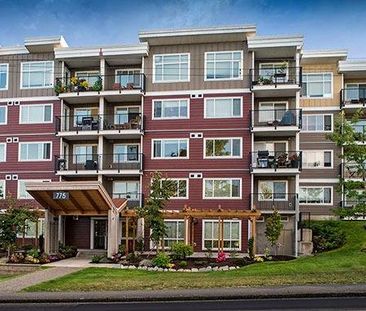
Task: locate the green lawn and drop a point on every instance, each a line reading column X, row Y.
column 346, row 265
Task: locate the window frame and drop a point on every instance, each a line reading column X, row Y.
column 7, row 77
column 319, row 73
column 172, row 54
column 317, row 187
column 28, row 180
column 40, row 224
column 187, row 188
column 168, row 158
column 127, row 69
column 318, row 114
column 167, row 100
column 224, row 79
column 261, row 103
column 222, row 179
column 6, row 115
column 35, row 105
column 204, row 221
column 232, row 102
column 137, row 182
column 3, row 183
column 127, row 144
column 37, row 87
column 74, row 158
column 273, row 193
column 223, row 157
column 94, row 73
column 34, row 142
column 5, row 154
column 177, row 221
column 318, row 167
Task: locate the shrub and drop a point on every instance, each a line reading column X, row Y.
column 97, row 258
column 327, row 235
column 133, row 258
column 251, row 248
column 145, row 263
column 67, row 250
column 161, row 260
column 183, row 264
column 181, row 251
column 44, row 258
column 221, row 257
column 16, row 258
column 33, row 252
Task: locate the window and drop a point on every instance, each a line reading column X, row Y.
column 123, row 115
column 22, row 193
column 269, row 112
column 315, row 195
column 231, row 234
column 223, row 65
column 171, row 109
column 275, row 72
column 317, row 122
column 2, row 152
column 2, row 189
column 317, row 159
column 171, row 68
column 181, row 188
column 223, row 107
column 32, row 230
column 317, row 85
column 272, row 190
column 174, row 232
column 126, row 189
column 223, row 147
column 30, row 114
column 35, row 151
column 89, row 76
column 225, row 188
column 126, row 77
column 125, row 153
column 170, row 148
column 4, row 76
column 80, row 113
column 355, row 91
column 3, row 115
column 37, row 74
column 82, row 153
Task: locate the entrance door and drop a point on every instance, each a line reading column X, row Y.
column 100, row 233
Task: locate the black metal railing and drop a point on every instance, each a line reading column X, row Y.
column 276, row 117
column 97, row 83
column 276, row 159
column 134, row 199
column 123, row 161
column 353, row 95
column 122, row 121
column 270, row 201
column 78, row 162
column 353, row 171
column 276, row 76
column 78, row 123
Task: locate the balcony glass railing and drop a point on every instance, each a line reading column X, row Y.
column 276, row 160
column 353, row 95
column 134, row 199
column 276, row 117
column 276, row 76
column 269, row 201
column 122, row 161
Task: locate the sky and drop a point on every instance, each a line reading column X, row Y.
column 325, row 24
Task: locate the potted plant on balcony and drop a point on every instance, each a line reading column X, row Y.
column 59, row 87
column 265, row 80
column 294, row 160
column 98, row 85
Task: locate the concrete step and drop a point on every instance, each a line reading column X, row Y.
column 89, row 253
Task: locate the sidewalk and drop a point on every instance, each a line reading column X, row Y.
column 189, row 294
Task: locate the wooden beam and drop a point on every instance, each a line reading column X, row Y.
column 127, row 220
column 90, row 201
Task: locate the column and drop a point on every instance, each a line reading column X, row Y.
column 113, row 224
column 60, row 230
column 48, row 219
column 254, row 236
column 187, row 230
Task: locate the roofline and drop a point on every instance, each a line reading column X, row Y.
column 52, row 40
column 11, row 50
column 352, row 65
column 256, row 42
column 143, row 35
column 340, row 53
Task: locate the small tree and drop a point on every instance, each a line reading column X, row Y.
column 161, row 189
column 274, row 227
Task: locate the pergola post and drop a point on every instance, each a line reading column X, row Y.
column 187, row 230
column 113, row 224
column 126, row 235
column 60, row 230
column 253, row 233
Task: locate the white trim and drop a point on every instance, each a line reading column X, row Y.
column 318, row 167
column 168, row 158
column 260, row 181
column 226, row 98
column 331, row 85
column 214, row 238
column 273, row 68
column 92, row 219
column 341, row 54
column 3, row 183
column 172, row 54
column 167, row 100
column 34, row 142
column 322, row 108
column 187, row 188
column 223, row 157
column 320, row 180
column 6, row 116
column 318, row 187
column 28, row 180
column 203, row 91
column 30, row 99
column 36, row 105
column 225, row 79
column 273, row 105
column 222, row 179
column 303, row 131
column 7, row 77
column 37, row 87
column 260, row 42
column 5, row 146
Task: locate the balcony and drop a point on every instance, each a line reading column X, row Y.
column 129, row 124
column 276, row 81
column 83, row 164
column 123, row 162
column 353, row 97
column 276, row 163
column 134, row 199
column 271, row 121
column 360, row 133
column 100, row 85
column 269, row 201
column 353, row 171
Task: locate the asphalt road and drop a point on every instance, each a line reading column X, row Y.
column 341, row 303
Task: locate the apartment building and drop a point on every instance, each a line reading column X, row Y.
column 238, row 121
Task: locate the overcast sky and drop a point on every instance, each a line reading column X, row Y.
column 325, row 24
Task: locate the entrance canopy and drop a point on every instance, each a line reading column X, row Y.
column 75, row 198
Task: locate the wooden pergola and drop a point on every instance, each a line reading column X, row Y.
column 189, row 214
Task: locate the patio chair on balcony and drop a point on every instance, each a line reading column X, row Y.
column 288, row 119
column 282, row 160
column 87, row 123
column 263, row 159
column 91, row 165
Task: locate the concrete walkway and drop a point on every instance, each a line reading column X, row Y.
column 77, row 262
column 18, row 283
